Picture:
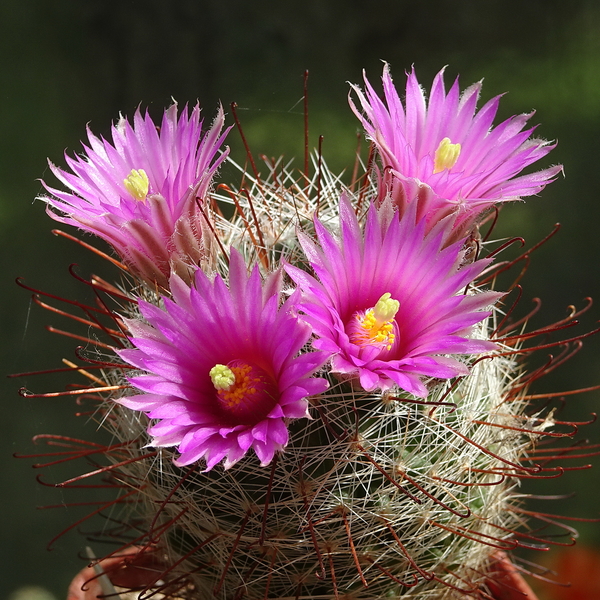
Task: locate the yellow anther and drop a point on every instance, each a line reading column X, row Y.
column 376, row 325
column 137, row 184
column 243, row 390
column 222, row 377
column 446, row 155
column 386, row 308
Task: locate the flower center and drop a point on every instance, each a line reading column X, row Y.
column 243, row 389
column 375, row 326
column 446, row 155
column 137, row 184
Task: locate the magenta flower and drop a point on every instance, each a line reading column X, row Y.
column 224, row 373
column 446, row 154
column 139, row 193
column 389, row 304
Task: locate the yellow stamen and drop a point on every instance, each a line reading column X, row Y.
column 376, row 326
column 137, row 184
column 236, row 386
column 446, row 155
column 222, row 377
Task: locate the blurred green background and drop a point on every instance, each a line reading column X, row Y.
column 66, row 63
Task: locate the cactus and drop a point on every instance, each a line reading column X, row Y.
column 318, row 396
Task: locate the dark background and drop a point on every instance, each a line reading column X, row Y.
column 66, row 63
